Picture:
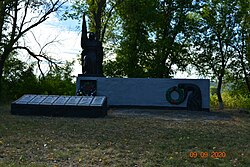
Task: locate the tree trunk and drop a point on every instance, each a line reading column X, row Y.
column 1, row 76
column 3, row 58
column 245, row 74
column 2, row 15
column 218, row 92
column 247, row 81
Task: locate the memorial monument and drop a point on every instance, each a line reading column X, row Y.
column 92, row 53
column 92, row 58
column 95, row 93
column 187, row 94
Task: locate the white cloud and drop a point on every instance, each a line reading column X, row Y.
column 67, row 47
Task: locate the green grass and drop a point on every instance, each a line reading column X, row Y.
column 121, row 141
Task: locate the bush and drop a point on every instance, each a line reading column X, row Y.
column 231, row 101
column 59, row 81
column 213, row 101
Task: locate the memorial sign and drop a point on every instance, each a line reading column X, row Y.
column 98, row 101
column 54, row 105
column 85, row 101
column 25, row 99
column 49, row 100
column 38, row 99
column 74, row 100
column 61, row 100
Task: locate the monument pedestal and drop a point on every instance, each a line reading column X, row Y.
column 184, row 94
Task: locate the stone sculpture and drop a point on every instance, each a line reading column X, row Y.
column 92, row 54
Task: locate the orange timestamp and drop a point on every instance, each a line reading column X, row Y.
column 213, row 154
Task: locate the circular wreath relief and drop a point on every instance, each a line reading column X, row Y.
column 175, row 101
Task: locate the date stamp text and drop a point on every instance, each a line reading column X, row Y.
column 213, row 154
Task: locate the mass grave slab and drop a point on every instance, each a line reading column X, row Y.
column 38, row 99
column 183, row 94
column 25, row 99
column 49, row 100
column 73, row 100
column 55, row 105
column 61, row 100
column 85, row 101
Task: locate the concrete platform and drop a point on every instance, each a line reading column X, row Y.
column 65, row 106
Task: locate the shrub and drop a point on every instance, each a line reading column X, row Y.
column 19, row 79
column 231, row 101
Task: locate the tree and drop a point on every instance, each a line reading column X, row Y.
column 212, row 41
column 240, row 66
column 99, row 12
column 153, row 37
column 101, row 16
column 18, row 79
column 58, row 81
column 148, row 35
column 15, row 23
column 134, row 42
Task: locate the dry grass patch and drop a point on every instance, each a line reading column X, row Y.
column 121, row 141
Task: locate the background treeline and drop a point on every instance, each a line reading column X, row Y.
column 19, row 78
column 155, row 38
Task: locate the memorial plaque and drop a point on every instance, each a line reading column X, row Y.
column 73, row 100
column 38, row 99
column 97, row 101
column 49, row 100
column 85, row 101
column 62, row 106
column 61, row 100
column 25, row 99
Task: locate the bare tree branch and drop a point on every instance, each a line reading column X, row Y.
column 13, row 26
column 25, row 15
column 39, row 57
column 55, row 7
column 54, row 40
column 13, row 32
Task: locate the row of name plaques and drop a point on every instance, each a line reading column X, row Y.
column 61, row 100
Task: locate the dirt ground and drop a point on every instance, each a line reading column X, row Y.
column 170, row 114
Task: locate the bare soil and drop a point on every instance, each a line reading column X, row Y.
column 170, row 114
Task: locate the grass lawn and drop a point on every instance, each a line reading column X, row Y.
column 123, row 141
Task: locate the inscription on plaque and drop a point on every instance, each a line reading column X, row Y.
column 38, row 99
column 49, row 100
column 56, row 105
column 85, row 101
column 97, row 101
column 61, row 100
column 73, row 100
column 25, row 99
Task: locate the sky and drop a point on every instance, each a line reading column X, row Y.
column 67, row 46
column 66, row 35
